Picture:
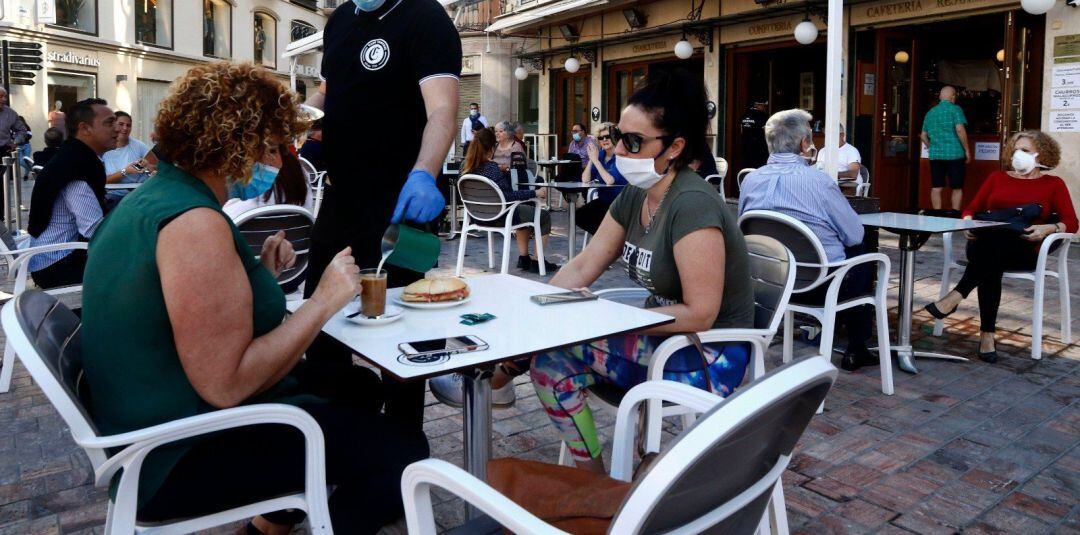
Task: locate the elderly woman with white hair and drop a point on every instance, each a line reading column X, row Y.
column 505, row 145
column 790, row 185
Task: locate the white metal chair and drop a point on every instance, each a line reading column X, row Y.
column 11, row 246
column 862, row 188
column 316, row 181
column 1038, row 276
column 721, row 166
column 815, row 270
column 487, row 210
column 719, row 476
column 773, row 276
column 21, row 267
column 742, row 175
column 46, row 337
column 259, row 224
column 590, row 196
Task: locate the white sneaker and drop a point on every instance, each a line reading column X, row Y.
column 447, row 389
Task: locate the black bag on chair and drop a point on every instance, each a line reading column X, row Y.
column 1015, row 219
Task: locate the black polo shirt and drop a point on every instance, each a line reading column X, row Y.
column 374, row 64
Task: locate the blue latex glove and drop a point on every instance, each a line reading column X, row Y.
column 420, row 200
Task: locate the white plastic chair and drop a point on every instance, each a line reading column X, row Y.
column 815, row 270
column 721, row 475
column 21, row 267
column 773, row 276
column 591, row 195
column 316, row 181
column 259, row 224
column 45, row 335
column 11, row 246
column 1038, row 276
column 742, row 175
column 862, row 188
column 721, row 167
column 487, row 210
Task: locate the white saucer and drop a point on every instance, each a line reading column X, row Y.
column 392, row 314
column 437, row 304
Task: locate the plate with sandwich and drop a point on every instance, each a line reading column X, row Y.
column 441, row 292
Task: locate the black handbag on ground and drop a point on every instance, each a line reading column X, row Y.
column 1015, row 219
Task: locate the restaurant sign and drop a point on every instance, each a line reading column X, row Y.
column 770, row 29
column 872, row 13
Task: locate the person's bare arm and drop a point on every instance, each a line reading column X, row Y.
column 961, row 132
column 603, row 250
column 700, row 258
column 318, row 99
column 852, row 171
column 925, row 138
column 440, row 101
column 209, row 300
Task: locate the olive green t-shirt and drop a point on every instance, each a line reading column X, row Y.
column 691, row 204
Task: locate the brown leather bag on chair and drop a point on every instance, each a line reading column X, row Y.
column 571, row 499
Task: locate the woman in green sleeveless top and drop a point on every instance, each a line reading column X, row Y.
column 180, row 319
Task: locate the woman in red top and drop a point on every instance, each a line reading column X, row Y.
column 989, row 256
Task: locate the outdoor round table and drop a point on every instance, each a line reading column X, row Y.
column 571, row 190
column 552, row 166
column 914, row 230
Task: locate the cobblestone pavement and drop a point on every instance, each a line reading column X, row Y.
column 960, row 447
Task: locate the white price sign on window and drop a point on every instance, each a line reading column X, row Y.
column 1067, row 98
column 1066, row 75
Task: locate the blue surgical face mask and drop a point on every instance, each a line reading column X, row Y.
column 262, row 179
column 369, row 5
column 577, row 137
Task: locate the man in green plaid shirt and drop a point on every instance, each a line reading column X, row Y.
column 945, row 137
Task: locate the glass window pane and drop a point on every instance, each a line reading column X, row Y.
column 153, row 22
column 77, row 14
column 70, row 88
column 265, row 39
column 217, row 22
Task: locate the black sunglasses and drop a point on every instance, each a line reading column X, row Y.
column 603, row 138
column 633, row 141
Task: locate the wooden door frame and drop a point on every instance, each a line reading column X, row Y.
column 560, row 99
column 882, row 59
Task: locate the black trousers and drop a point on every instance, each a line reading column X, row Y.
column 67, row 271
column 366, row 452
column 989, row 256
column 857, row 321
column 589, row 216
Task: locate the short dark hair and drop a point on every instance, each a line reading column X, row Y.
column 82, row 112
column 471, row 104
column 53, row 137
column 120, row 114
column 676, row 102
column 582, row 125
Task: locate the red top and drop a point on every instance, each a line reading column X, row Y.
column 1001, row 191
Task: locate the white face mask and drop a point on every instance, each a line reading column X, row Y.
column 640, row 172
column 1024, row 162
column 812, row 152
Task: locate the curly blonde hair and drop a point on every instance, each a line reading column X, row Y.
column 1048, row 148
column 220, row 117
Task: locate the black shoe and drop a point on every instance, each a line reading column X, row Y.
column 934, row 311
column 857, row 358
column 989, row 357
column 535, row 266
column 525, row 263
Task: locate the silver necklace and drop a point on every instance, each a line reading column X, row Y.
column 652, row 213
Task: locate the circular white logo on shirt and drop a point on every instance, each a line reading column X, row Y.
column 375, row 54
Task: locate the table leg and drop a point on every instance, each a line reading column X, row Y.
column 477, row 428
column 905, row 354
column 571, row 233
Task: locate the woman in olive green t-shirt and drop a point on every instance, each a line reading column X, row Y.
column 676, row 238
column 181, row 319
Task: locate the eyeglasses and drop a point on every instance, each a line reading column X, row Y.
column 603, row 138
column 632, row 141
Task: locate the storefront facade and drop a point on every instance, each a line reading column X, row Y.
column 128, row 55
column 1000, row 57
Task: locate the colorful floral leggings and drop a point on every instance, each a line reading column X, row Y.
column 562, row 377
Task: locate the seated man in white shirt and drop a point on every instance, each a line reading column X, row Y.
column 127, row 163
column 849, row 161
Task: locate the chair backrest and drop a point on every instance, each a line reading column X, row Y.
column 721, row 166
column 483, row 200
column 742, row 174
column 772, row 270
column 261, row 223
column 46, row 337
column 310, row 172
column 718, row 476
column 810, row 257
column 7, row 241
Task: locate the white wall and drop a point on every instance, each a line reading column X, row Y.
column 1062, row 20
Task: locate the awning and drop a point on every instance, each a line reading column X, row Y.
column 307, row 45
column 525, row 18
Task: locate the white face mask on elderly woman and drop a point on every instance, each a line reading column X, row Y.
column 1024, row 162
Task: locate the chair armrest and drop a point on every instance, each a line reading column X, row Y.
column 1044, row 251
column 615, row 294
column 21, row 264
column 757, row 338
column 622, row 454
column 141, row 442
column 842, row 269
column 419, row 477
column 21, row 238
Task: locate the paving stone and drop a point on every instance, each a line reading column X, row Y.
column 1011, row 521
column 920, row 522
column 899, row 492
column 989, row 481
column 831, row 489
column 1043, row 510
column 865, row 513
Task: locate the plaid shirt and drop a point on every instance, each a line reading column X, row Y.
column 940, row 125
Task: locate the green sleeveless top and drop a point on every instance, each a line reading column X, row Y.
column 130, row 358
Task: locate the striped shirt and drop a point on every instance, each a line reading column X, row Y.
column 76, row 214
column 786, row 184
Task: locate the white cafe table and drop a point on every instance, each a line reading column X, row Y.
column 520, row 329
column 914, row 230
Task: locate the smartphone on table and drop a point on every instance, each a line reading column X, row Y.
column 443, row 346
column 573, row 296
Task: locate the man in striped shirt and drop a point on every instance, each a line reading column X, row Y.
column 789, row 185
column 68, row 199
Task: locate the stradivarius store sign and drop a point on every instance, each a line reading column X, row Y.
column 72, row 58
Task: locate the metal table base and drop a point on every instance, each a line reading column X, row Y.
column 477, row 429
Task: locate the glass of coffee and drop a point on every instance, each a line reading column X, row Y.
column 372, row 292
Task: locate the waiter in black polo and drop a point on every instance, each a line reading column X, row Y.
column 394, row 63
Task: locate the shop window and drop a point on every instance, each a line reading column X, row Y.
column 149, row 94
column 153, row 22
column 70, row 88
column 217, row 29
column 529, row 104
column 78, row 15
column 265, row 40
column 300, row 30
